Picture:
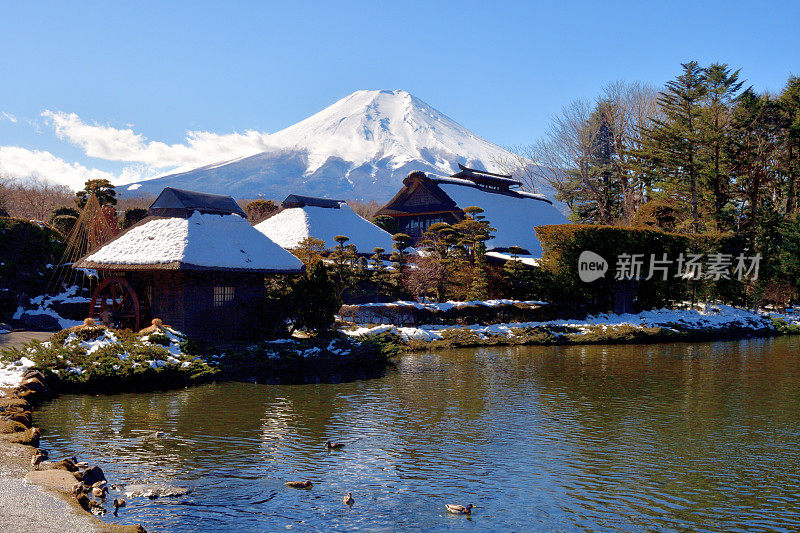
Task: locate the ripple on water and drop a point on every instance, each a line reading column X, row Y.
column 701, row 437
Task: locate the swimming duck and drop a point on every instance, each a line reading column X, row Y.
column 333, row 445
column 299, row 484
column 348, row 500
column 118, row 502
column 460, row 509
column 100, row 491
column 160, row 434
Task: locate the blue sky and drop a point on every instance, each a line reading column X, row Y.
column 155, row 71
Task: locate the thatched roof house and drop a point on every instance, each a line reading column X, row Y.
column 195, row 262
column 324, row 219
column 427, row 199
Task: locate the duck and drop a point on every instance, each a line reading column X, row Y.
column 100, row 491
column 37, row 459
column 333, row 445
column 160, row 434
column 117, row 503
column 460, row 509
column 299, row 484
column 348, row 499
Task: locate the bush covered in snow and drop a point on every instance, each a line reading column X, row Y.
column 94, row 357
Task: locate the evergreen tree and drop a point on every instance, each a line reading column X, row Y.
column 102, row 188
column 672, row 144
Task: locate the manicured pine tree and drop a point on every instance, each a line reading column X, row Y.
column 309, row 250
column 400, row 243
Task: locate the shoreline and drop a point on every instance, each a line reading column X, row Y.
column 41, row 502
column 648, row 327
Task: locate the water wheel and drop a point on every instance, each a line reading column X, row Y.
column 114, row 303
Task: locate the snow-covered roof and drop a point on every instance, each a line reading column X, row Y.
column 292, row 225
column 199, row 242
column 514, row 216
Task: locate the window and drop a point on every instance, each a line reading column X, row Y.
column 222, row 295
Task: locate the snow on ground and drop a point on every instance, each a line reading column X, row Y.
column 222, row 241
column 712, row 317
column 11, row 373
column 446, row 306
column 292, row 225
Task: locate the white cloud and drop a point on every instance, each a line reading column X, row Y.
column 114, row 144
column 7, row 116
column 21, row 163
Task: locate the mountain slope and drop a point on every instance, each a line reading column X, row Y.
column 361, row 147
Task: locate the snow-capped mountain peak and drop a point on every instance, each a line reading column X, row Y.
column 362, row 146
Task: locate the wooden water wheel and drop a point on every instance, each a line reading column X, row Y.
column 114, row 303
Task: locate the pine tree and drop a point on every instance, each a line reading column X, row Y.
column 722, row 87
column 672, row 144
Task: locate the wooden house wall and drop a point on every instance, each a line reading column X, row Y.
column 185, row 301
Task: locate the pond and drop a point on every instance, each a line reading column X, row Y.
column 655, row 437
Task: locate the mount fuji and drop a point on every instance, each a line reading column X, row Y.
column 361, row 148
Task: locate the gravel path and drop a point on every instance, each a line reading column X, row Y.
column 16, row 339
column 26, row 508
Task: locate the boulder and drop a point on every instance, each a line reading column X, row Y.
column 14, row 402
column 93, row 475
column 34, row 384
column 154, row 491
column 33, row 373
column 23, row 417
column 29, row 437
column 11, row 426
column 60, row 480
column 40, row 321
column 64, row 464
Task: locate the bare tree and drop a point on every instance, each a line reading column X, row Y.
column 584, row 154
column 33, row 198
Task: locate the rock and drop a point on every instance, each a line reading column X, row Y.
column 154, row 491
column 33, row 373
column 23, row 417
column 53, row 479
column 93, row 475
column 40, row 322
column 34, row 384
column 14, row 402
column 29, row 437
column 27, row 394
column 64, row 464
column 11, row 426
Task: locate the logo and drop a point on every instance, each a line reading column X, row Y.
column 591, row 266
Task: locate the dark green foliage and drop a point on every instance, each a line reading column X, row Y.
column 103, row 189
column 386, row 223
column 563, row 244
column 330, row 357
column 26, row 248
column 315, row 300
column 120, row 366
column 132, row 216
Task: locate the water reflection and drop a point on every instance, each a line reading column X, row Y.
column 680, row 436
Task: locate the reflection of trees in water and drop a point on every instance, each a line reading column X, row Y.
column 673, row 430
